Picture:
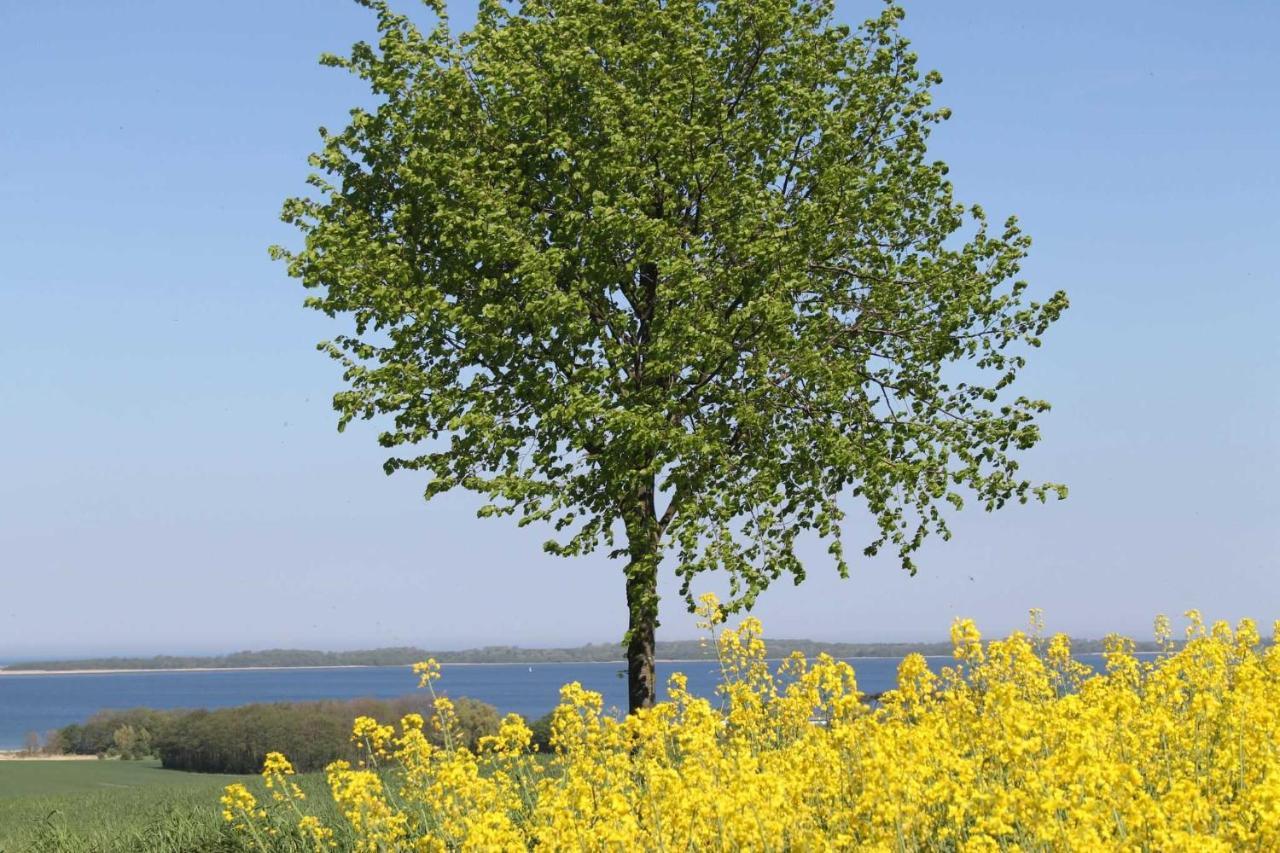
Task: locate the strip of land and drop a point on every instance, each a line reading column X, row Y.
column 671, row 651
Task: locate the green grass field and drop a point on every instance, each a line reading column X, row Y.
column 109, row 807
column 22, row 779
column 133, row 807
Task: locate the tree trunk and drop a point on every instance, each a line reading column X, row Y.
column 643, row 540
column 642, row 601
column 644, row 532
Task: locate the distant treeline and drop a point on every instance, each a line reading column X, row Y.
column 236, row 740
column 590, row 653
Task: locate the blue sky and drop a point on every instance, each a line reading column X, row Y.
column 170, row 475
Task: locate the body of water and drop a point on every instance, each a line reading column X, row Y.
column 42, row 702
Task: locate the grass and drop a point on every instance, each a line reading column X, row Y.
column 130, row 807
column 109, row 807
column 23, row 779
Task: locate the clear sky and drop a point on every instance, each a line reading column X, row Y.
column 170, row 475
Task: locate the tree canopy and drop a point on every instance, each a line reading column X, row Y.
column 674, row 276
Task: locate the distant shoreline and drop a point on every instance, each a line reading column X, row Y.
column 125, row 671
column 667, row 652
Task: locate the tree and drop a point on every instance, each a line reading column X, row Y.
column 675, row 276
column 132, row 743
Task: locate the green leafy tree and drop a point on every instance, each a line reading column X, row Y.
column 131, row 743
column 675, row 276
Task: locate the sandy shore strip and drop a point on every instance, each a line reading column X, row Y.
column 4, row 672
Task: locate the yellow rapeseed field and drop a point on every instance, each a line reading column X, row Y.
column 1017, row 747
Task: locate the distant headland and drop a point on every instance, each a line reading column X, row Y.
column 672, row 650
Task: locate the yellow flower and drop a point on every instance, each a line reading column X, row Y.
column 1020, row 747
column 966, row 640
column 239, row 807
column 427, row 672
column 319, row 834
column 276, row 764
column 376, row 737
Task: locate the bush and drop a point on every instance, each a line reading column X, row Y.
column 138, row 727
column 540, row 730
column 237, row 740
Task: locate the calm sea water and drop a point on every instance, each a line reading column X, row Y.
column 42, row 702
